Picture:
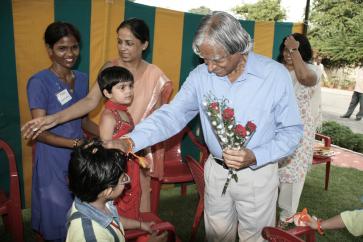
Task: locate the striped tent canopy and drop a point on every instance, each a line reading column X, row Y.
column 23, row 53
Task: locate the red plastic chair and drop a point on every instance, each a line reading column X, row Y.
column 197, row 170
column 174, row 169
column 10, row 204
column 321, row 159
column 274, row 234
column 305, row 231
column 140, row 235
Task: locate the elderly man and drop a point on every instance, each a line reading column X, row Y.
column 259, row 90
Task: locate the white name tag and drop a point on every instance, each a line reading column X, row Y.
column 64, row 96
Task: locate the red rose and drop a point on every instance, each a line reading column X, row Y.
column 239, row 130
column 228, row 113
column 214, row 106
column 251, row 126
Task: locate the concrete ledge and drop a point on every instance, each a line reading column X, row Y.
column 336, row 91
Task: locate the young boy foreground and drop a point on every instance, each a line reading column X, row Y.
column 96, row 177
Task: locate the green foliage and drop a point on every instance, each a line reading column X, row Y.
column 201, row 10
column 336, row 30
column 263, row 10
column 338, row 133
column 357, row 142
column 343, row 136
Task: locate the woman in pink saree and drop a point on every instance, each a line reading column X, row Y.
column 152, row 88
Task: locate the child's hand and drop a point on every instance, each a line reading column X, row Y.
column 155, row 237
column 146, row 226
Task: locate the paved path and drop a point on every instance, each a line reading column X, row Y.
column 335, row 103
column 347, row 158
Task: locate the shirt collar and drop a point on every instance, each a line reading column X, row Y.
column 252, row 67
column 94, row 214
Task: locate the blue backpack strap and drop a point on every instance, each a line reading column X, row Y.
column 88, row 231
column 113, row 233
column 74, row 216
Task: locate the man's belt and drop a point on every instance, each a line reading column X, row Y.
column 220, row 162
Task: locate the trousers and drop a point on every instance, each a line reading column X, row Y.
column 289, row 197
column 247, row 206
column 357, row 97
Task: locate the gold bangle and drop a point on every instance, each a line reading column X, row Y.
column 76, row 142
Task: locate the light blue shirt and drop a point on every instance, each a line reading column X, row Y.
column 262, row 94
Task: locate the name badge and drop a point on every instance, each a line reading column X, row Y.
column 63, row 97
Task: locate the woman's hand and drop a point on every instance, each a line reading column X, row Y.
column 238, row 159
column 290, row 43
column 35, row 127
column 313, row 223
column 304, row 75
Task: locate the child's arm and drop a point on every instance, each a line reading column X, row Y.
column 107, row 125
column 50, row 138
column 89, row 126
column 128, row 223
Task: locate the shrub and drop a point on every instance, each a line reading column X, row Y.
column 339, row 134
column 357, row 141
column 343, row 136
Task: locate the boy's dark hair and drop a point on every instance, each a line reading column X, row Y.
column 113, row 75
column 93, row 168
column 305, row 49
column 57, row 30
column 138, row 28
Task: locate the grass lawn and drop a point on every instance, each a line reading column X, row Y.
column 345, row 193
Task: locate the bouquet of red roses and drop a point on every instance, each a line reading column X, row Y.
column 230, row 134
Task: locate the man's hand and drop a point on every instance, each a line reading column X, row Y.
column 121, row 144
column 35, row 127
column 238, row 159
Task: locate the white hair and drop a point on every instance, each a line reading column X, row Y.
column 222, row 29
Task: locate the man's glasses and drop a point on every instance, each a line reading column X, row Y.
column 218, row 60
column 125, row 179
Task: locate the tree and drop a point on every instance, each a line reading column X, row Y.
column 336, row 31
column 263, row 10
column 201, row 10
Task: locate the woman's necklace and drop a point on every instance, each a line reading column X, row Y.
column 67, row 79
